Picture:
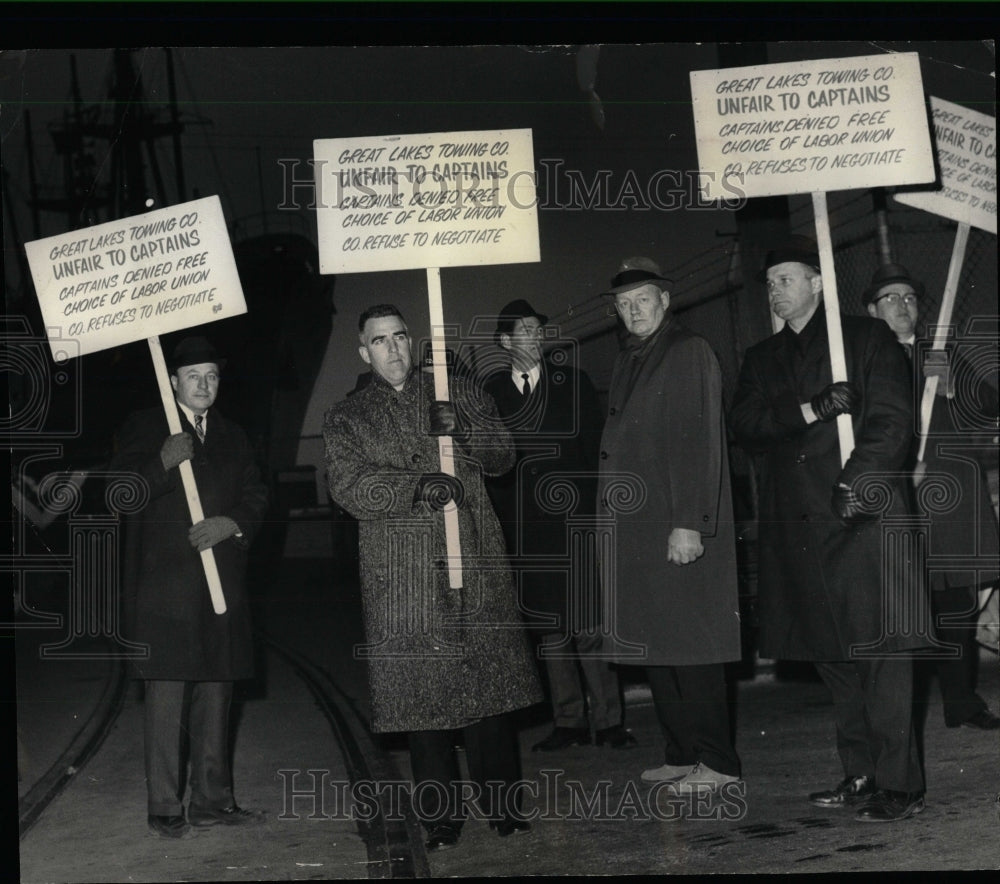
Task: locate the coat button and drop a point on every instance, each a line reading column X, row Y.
column 415, row 457
column 534, row 471
column 439, row 564
column 604, row 455
column 704, row 518
column 612, row 410
column 800, row 459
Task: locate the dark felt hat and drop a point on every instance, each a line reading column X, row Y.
column 888, row 274
column 194, row 351
column 515, row 310
column 798, row 249
column 636, row 272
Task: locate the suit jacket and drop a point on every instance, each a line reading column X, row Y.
column 167, row 603
column 664, row 465
column 824, row 588
column 557, row 433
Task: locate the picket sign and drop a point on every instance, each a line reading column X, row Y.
column 134, row 279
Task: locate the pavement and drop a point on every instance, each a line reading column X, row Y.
column 592, row 814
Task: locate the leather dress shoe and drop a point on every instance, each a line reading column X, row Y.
column 442, row 837
column 561, row 737
column 616, row 737
column 887, row 806
column 168, row 826
column 851, row 791
column 510, row 826
column 226, row 816
column 983, row 720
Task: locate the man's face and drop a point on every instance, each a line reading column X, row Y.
column 896, row 304
column 524, row 342
column 794, row 291
column 196, row 386
column 385, row 346
column 642, row 309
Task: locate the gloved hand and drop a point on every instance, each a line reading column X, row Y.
column 838, row 398
column 176, row 448
column 437, row 489
column 208, row 532
column 847, row 506
column 444, row 420
column 937, row 364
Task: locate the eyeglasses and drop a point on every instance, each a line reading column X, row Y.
column 910, row 299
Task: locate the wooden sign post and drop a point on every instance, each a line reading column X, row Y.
column 443, row 199
column 138, row 278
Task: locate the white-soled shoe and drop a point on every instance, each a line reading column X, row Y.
column 701, row 777
column 667, row 773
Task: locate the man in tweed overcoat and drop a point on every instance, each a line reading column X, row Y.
column 439, row 658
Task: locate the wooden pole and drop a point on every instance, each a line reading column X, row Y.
column 445, row 444
column 838, row 362
column 187, row 474
column 941, row 331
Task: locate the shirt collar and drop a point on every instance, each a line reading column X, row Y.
column 189, row 414
column 534, row 373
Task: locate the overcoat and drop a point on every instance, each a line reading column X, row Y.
column 438, row 658
column 825, row 588
column 166, row 599
column 557, row 434
column 954, row 495
column 664, row 465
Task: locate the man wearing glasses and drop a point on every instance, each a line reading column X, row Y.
column 962, row 411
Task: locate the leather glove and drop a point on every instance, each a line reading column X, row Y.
column 177, row 448
column 444, row 420
column 838, row 398
column 437, row 489
column 936, row 364
column 847, row 506
column 210, row 531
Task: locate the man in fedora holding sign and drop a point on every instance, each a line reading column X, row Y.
column 822, row 594
column 195, row 655
column 963, row 414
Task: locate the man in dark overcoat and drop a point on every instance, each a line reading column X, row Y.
column 964, row 525
column 664, row 477
column 551, row 410
column 195, row 655
column 440, row 659
column 822, row 592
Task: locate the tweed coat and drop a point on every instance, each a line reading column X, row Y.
column 664, row 465
column 955, row 494
column 438, row 658
column 167, row 604
column 557, row 434
column 821, row 586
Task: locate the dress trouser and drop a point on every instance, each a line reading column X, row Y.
column 493, row 758
column 693, row 710
column 569, row 695
column 955, row 623
column 201, row 710
column 873, row 707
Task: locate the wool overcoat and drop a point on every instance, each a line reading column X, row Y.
column 664, row 465
column 954, row 495
column 557, row 434
column 166, row 601
column 438, row 658
column 825, row 588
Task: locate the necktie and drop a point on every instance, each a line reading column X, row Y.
column 909, row 351
column 526, row 387
column 199, row 426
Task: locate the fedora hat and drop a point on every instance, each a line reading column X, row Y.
column 511, row 313
column 636, row 272
column 888, row 274
column 798, row 249
column 194, row 351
